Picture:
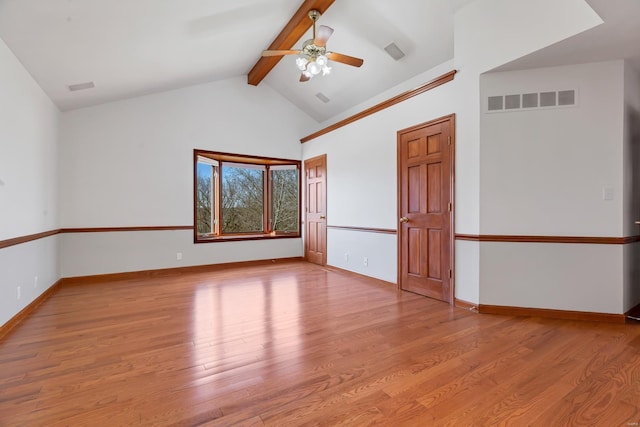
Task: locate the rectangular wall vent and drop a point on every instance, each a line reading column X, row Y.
column 548, row 99
column 496, row 103
column 511, row 102
column 528, row 101
column 567, row 97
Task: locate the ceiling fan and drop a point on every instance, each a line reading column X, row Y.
column 314, row 57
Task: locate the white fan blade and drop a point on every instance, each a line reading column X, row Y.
column 322, row 35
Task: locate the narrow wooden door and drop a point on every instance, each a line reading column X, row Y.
column 425, row 211
column 315, row 243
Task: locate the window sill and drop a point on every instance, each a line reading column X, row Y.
column 241, row 237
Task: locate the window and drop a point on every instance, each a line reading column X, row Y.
column 239, row 197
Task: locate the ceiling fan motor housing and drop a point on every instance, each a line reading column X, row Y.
column 314, row 14
column 311, row 50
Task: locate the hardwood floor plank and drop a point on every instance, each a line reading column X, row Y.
column 297, row 344
column 587, row 403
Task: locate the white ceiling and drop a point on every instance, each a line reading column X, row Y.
column 617, row 38
column 134, row 47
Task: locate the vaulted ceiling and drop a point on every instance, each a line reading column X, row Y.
column 617, row 37
column 129, row 48
column 133, row 47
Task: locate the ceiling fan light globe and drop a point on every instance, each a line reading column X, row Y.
column 322, row 60
column 326, row 70
column 314, row 68
column 307, row 74
column 302, row 63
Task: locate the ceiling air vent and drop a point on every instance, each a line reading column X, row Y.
column 322, row 97
column 394, row 51
column 530, row 101
column 82, row 86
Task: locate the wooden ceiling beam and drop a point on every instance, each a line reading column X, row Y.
column 290, row 34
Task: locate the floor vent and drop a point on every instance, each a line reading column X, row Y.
column 529, row 101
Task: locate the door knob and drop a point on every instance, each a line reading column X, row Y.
column 638, row 222
column 323, row 217
column 404, row 219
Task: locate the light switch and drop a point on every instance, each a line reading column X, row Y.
column 607, row 193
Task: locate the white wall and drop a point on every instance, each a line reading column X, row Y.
column 631, row 161
column 631, row 154
column 33, row 266
column 130, row 163
column 28, row 195
column 347, row 249
column 570, row 277
column 86, row 254
column 361, row 177
column 467, row 271
column 544, row 170
column 28, row 144
column 543, row 173
column 488, row 33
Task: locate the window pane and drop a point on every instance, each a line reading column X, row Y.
column 231, row 202
column 204, row 198
column 242, row 199
column 284, row 200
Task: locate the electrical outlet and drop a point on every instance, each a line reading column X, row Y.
column 18, row 292
column 35, row 282
column 365, row 261
column 179, row 256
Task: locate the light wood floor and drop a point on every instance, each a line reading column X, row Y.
column 292, row 343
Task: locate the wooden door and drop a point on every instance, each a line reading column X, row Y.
column 315, row 243
column 425, row 211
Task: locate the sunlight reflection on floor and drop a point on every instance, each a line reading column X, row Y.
column 237, row 324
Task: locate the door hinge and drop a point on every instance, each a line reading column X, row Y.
column 450, row 207
column 449, row 140
column 450, row 274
